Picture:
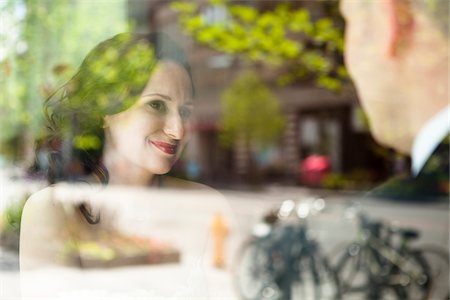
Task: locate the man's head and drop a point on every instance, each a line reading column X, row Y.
column 397, row 55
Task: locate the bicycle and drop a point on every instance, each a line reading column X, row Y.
column 281, row 260
column 375, row 265
column 438, row 261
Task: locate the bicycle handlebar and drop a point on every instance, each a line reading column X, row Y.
column 375, row 226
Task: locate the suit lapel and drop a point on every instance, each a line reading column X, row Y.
column 432, row 182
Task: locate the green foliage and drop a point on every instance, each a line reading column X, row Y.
column 109, row 81
column 250, row 112
column 335, row 181
column 42, row 46
column 12, row 216
column 356, row 179
column 87, row 142
column 96, row 250
column 283, row 38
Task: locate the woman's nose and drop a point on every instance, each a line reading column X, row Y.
column 174, row 126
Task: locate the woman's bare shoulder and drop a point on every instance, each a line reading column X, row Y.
column 50, row 204
column 42, row 205
column 61, row 194
column 42, row 198
column 42, row 222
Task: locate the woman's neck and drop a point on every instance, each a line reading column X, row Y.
column 123, row 172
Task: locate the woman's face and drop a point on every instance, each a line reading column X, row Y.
column 153, row 132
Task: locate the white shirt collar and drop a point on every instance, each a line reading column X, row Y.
column 429, row 137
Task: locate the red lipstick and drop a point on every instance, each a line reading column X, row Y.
column 167, row 148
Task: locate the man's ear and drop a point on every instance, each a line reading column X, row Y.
column 401, row 23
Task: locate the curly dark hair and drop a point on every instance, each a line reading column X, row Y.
column 108, row 81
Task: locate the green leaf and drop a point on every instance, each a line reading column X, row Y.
column 329, row 83
column 244, row 13
column 87, row 142
column 194, row 23
column 184, row 7
column 217, row 2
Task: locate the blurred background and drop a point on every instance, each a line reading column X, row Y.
column 276, row 115
column 303, row 127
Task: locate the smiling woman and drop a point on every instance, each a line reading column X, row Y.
column 151, row 134
column 122, row 120
column 130, row 91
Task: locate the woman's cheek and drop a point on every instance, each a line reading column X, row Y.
column 188, row 130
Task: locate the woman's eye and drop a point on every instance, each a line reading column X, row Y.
column 157, row 105
column 185, row 112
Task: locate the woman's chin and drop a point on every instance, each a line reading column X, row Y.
column 159, row 170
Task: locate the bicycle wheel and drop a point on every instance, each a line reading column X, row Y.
column 409, row 279
column 438, row 262
column 348, row 263
column 252, row 276
column 316, row 280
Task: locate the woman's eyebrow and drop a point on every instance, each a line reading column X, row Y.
column 165, row 97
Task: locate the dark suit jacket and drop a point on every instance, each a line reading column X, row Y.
column 431, row 183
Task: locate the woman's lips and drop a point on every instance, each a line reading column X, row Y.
column 167, row 148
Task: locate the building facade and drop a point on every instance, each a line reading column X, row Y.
column 318, row 121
